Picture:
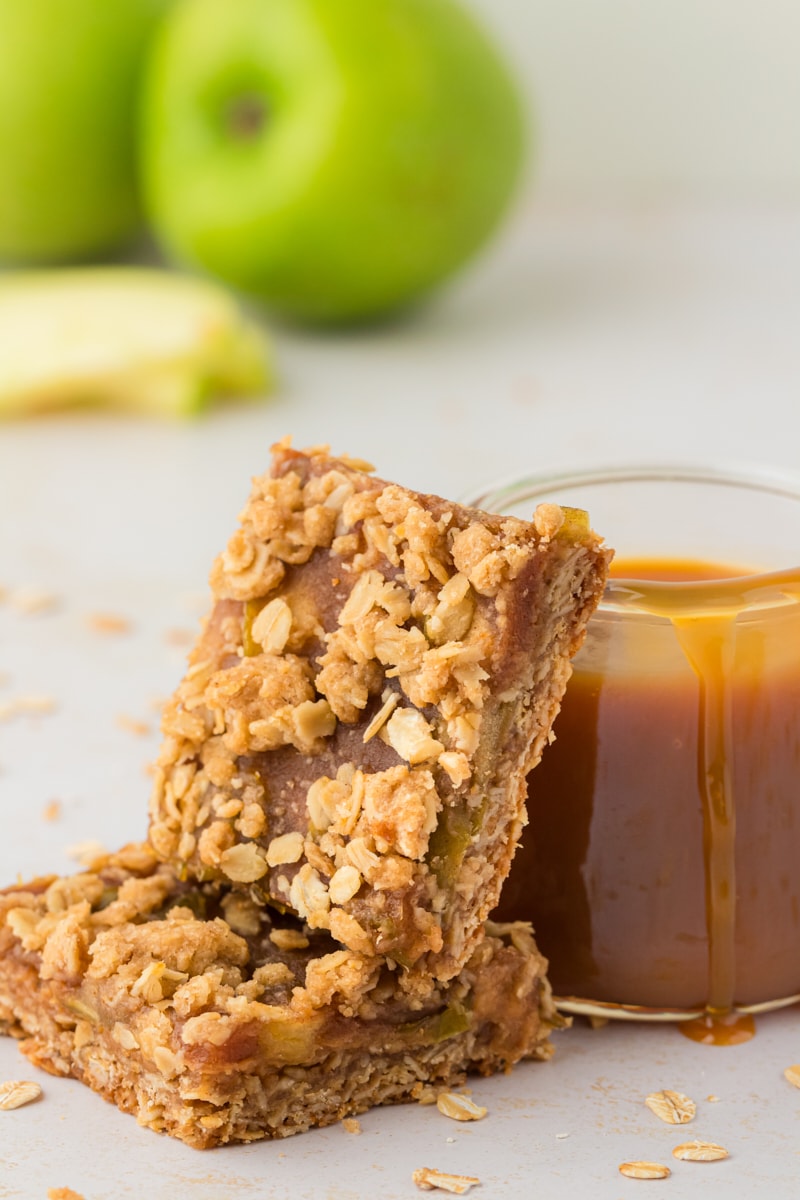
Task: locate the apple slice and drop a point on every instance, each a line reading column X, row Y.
column 132, row 338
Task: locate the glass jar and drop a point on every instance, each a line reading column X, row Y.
column 661, row 863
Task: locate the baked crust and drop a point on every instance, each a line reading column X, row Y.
column 216, row 1020
column 378, row 674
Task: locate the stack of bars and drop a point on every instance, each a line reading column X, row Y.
column 337, row 800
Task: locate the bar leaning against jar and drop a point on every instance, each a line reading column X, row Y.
column 379, row 672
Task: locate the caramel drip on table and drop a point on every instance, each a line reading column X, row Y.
column 720, row 1029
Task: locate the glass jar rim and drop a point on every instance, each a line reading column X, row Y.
column 760, row 479
column 662, row 598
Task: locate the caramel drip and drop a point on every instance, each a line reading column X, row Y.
column 709, row 643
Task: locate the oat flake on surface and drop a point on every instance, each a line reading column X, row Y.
column 698, row 1151
column 792, row 1074
column 31, row 600
column 672, row 1107
column 427, row 1178
column 108, row 623
column 644, row 1170
column 16, row 1092
column 27, row 706
column 131, row 725
column 179, row 637
column 459, row 1107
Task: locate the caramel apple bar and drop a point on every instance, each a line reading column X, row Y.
column 379, row 672
column 217, row 1020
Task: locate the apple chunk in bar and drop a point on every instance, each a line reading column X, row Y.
column 217, row 1020
column 379, row 672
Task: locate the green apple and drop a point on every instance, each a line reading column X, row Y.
column 69, row 82
column 123, row 337
column 335, row 158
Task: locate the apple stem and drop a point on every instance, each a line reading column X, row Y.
column 245, row 116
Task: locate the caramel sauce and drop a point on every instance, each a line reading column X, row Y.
column 674, row 570
column 659, row 866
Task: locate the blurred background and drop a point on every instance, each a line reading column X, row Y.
column 692, row 101
column 638, row 297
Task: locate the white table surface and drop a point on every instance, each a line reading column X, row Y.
column 582, row 339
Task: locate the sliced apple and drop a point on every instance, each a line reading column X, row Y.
column 124, row 337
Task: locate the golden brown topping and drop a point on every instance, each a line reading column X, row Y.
column 244, row 862
column 381, row 716
column 349, row 932
column 242, row 914
column 288, row 848
column 288, row 939
column 344, row 884
column 257, row 702
column 548, row 519
column 309, row 896
column 272, row 626
column 410, row 735
column 450, row 620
